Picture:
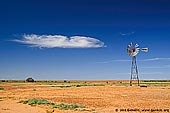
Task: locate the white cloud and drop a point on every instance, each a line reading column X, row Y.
column 156, row 59
column 110, row 61
column 151, row 73
column 157, row 67
column 142, row 73
column 125, row 34
column 52, row 41
column 143, row 60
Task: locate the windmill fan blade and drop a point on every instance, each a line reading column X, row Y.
column 145, row 49
column 133, row 50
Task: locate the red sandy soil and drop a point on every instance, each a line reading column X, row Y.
column 97, row 99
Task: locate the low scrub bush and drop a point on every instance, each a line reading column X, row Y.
column 54, row 105
column 30, row 79
column 1, row 88
column 67, row 106
column 64, row 86
column 34, row 102
column 79, row 85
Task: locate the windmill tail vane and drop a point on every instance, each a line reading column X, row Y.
column 144, row 49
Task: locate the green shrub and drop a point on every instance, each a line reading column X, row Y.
column 67, row 106
column 79, row 85
column 3, row 81
column 54, row 105
column 30, row 79
column 34, row 102
column 1, row 88
column 64, row 86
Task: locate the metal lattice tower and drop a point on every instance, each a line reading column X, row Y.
column 133, row 50
column 134, row 71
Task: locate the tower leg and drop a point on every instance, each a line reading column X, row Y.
column 134, row 71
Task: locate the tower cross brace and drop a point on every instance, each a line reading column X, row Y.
column 134, row 71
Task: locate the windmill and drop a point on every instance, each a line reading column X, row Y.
column 133, row 50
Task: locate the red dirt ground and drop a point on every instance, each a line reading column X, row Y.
column 97, row 99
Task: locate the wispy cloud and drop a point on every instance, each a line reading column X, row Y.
column 59, row 41
column 157, row 67
column 122, row 74
column 156, row 59
column 143, row 60
column 125, row 34
column 151, row 73
column 142, row 73
column 110, row 61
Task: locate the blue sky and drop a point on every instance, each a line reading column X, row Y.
column 83, row 39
